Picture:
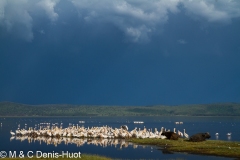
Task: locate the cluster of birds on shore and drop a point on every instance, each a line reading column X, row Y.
column 105, row 132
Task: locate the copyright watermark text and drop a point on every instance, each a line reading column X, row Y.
column 39, row 154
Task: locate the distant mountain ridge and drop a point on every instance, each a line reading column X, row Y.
column 216, row 109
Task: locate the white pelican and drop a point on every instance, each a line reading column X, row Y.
column 12, row 133
column 174, row 130
column 125, row 127
column 185, row 134
column 162, row 136
column 180, row 133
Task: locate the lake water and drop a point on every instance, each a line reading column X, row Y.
column 116, row 149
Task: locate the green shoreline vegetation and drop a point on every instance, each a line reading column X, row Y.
column 208, row 147
column 8, row 109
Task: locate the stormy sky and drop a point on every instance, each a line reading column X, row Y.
column 120, row 52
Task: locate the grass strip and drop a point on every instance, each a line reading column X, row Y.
column 209, row 147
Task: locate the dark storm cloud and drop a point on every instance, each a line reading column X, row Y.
column 138, row 20
column 16, row 18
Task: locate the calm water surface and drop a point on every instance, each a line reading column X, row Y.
column 117, row 149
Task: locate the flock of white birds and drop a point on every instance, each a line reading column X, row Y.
column 105, row 132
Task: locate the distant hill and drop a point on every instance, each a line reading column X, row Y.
column 218, row 109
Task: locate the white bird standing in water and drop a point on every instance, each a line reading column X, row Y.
column 185, row 134
column 12, row 133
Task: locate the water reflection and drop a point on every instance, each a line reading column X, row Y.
column 77, row 141
column 229, row 137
